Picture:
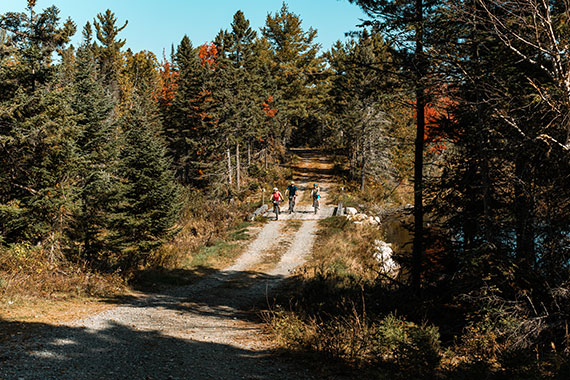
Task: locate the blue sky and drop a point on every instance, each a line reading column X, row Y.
column 156, row 25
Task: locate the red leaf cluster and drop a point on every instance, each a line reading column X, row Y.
column 207, row 54
column 270, row 112
column 436, row 113
column 169, row 85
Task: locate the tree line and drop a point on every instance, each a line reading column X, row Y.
column 99, row 144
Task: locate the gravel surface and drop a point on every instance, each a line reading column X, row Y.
column 207, row 330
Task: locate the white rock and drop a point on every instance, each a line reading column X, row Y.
column 384, row 256
column 378, row 220
column 351, row 211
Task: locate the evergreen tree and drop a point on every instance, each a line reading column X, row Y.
column 97, row 148
column 108, row 50
column 408, row 25
column 38, row 158
column 238, row 94
column 147, row 202
column 503, row 188
column 188, row 121
column 295, row 68
column 36, row 36
column 361, row 105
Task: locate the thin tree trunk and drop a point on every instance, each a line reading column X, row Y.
column 417, row 253
column 249, row 154
column 86, row 230
column 237, row 168
column 229, row 165
column 363, row 168
column 523, row 215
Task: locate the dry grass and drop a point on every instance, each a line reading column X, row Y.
column 344, row 249
column 35, row 287
column 30, row 271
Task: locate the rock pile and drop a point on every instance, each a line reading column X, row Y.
column 358, row 218
column 383, row 253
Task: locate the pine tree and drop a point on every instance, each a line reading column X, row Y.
column 108, row 50
column 360, row 103
column 408, row 25
column 97, row 148
column 36, row 37
column 237, row 93
column 295, row 67
column 147, row 202
column 188, row 124
column 38, row 159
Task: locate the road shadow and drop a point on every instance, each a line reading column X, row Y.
column 160, row 339
column 236, row 295
column 322, row 169
column 121, row 351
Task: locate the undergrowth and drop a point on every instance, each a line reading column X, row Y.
column 338, row 307
column 30, row 271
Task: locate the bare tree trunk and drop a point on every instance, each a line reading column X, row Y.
column 417, row 252
column 237, row 168
column 229, row 165
column 265, row 157
column 363, row 167
column 249, row 154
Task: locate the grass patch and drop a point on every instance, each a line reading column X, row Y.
column 240, row 232
column 211, row 256
column 292, row 226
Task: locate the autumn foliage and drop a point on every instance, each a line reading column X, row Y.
column 267, row 107
column 436, row 115
column 208, row 53
column 168, row 79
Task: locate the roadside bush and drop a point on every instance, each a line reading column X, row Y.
column 289, row 329
column 414, row 349
column 31, row 271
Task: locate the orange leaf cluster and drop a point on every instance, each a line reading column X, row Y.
column 169, row 85
column 207, row 54
column 435, row 113
column 271, row 112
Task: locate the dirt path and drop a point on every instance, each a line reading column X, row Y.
column 208, row 330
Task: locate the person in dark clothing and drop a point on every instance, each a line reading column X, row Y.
column 292, row 192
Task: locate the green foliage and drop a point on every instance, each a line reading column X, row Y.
column 108, row 50
column 295, row 71
column 97, row 149
column 186, row 124
column 415, row 349
column 147, row 199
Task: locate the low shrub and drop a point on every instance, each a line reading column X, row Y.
column 32, row 271
column 414, row 349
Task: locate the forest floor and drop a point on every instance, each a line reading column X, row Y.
column 208, row 330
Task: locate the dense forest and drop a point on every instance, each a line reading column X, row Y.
column 103, row 152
